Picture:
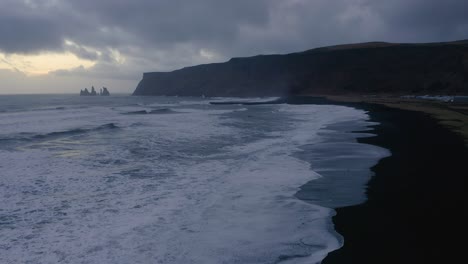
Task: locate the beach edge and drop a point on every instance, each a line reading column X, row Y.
column 407, row 217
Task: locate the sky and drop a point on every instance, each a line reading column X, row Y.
column 62, row 46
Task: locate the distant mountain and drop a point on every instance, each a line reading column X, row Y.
column 370, row 68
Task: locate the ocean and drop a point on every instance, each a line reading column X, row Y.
column 127, row 179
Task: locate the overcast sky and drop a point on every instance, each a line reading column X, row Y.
column 66, row 45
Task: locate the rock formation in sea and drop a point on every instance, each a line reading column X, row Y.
column 371, row 68
column 103, row 92
column 84, row 92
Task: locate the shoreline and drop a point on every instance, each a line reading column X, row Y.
column 415, row 201
column 453, row 116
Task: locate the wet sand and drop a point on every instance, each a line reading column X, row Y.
column 454, row 116
column 415, row 210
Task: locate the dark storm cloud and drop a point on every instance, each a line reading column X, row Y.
column 423, row 20
column 177, row 20
column 82, row 52
column 173, row 33
column 27, row 32
column 424, row 13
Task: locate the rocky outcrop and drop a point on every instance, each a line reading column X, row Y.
column 105, row 92
column 85, row 92
column 370, row 68
column 102, row 92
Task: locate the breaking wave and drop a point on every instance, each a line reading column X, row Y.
column 58, row 134
column 154, row 111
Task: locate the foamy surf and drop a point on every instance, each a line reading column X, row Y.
column 210, row 184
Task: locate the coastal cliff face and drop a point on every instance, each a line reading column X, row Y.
column 368, row 68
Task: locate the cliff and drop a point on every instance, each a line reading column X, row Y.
column 369, row 68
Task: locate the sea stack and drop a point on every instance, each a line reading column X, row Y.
column 105, row 92
column 84, row 92
column 102, row 92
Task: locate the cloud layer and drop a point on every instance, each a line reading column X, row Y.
column 126, row 38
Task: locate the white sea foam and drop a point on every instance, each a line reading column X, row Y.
column 48, row 121
column 203, row 186
column 245, row 100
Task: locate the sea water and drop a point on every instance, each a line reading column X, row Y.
column 126, row 179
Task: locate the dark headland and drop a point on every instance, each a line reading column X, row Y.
column 371, row 68
column 415, row 210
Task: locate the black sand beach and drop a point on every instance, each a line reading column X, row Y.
column 416, row 209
